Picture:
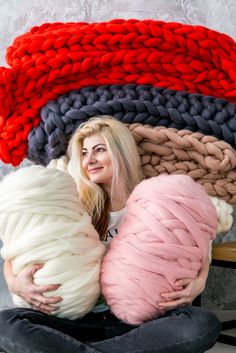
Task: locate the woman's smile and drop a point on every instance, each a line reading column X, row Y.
column 94, row 170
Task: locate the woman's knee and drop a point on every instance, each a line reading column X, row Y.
column 201, row 316
column 10, row 318
column 198, row 322
column 6, row 315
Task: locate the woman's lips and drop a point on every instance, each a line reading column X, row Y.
column 94, row 170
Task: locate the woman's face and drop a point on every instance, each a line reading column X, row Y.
column 96, row 161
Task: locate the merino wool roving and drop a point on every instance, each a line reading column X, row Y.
column 42, row 221
column 164, row 237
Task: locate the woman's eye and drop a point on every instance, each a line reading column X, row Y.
column 100, row 149
column 84, row 154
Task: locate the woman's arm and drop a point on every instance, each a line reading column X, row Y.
column 23, row 286
column 186, row 289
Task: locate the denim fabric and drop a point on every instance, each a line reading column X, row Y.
column 188, row 329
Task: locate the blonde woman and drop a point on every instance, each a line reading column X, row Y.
column 105, row 164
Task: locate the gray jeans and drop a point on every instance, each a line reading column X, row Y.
column 184, row 330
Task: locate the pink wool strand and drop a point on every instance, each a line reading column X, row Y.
column 164, row 237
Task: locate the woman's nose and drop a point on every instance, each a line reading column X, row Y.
column 91, row 158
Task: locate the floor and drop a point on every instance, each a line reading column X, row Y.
column 220, row 347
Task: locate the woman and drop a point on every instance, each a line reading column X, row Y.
column 105, row 164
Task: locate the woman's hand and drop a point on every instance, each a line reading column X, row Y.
column 23, row 286
column 186, row 290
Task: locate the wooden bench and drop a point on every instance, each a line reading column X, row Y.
column 224, row 255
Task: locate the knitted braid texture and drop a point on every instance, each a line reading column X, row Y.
column 130, row 104
column 55, row 58
column 205, row 159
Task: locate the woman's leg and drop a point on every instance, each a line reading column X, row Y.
column 188, row 329
column 26, row 331
column 184, row 330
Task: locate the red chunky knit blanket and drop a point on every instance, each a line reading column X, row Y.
column 55, row 58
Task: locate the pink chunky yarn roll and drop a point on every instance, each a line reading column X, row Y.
column 164, row 237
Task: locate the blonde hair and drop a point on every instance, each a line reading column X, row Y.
column 126, row 166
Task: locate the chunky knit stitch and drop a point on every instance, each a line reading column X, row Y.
column 130, row 104
column 207, row 160
column 53, row 59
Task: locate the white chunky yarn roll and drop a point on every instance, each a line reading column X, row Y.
column 42, row 221
column 224, row 214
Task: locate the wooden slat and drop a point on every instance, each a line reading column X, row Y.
column 225, row 251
